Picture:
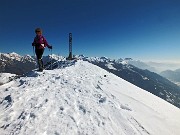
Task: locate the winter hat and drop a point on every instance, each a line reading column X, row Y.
column 38, row 29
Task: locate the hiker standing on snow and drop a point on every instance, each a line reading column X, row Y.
column 40, row 44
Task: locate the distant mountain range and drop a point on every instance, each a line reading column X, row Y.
column 16, row 64
column 174, row 76
column 156, row 67
column 140, row 64
column 149, row 81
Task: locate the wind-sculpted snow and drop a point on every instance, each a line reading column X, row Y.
column 80, row 98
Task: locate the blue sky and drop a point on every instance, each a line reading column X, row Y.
column 140, row 29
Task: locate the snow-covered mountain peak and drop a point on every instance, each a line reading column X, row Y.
column 14, row 55
column 81, row 56
column 80, row 98
column 104, row 58
column 119, row 60
column 10, row 56
column 27, row 58
column 56, row 57
column 100, row 59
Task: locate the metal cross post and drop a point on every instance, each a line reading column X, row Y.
column 70, row 45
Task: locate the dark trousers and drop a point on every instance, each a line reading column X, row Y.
column 39, row 53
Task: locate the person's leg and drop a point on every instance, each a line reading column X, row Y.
column 39, row 53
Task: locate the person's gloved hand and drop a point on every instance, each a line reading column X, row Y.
column 50, row 47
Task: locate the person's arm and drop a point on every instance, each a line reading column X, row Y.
column 46, row 44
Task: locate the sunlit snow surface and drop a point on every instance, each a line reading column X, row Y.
column 79, row 99
column 6, row 77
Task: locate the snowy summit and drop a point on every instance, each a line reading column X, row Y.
column 82, row 99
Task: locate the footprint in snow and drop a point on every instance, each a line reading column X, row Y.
column 102, row 100
column 62, row 108
column 57, row 78
column 125, row 107
column 56, row 133
column 7, row 101
column 82, row 108
column 32, row 115
column 22, row 115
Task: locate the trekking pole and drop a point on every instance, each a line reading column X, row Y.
column 51, row 59
column 34, row 57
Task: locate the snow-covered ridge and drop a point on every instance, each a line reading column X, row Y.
column 81, row 98
column 145, row 79
column 142, row 78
